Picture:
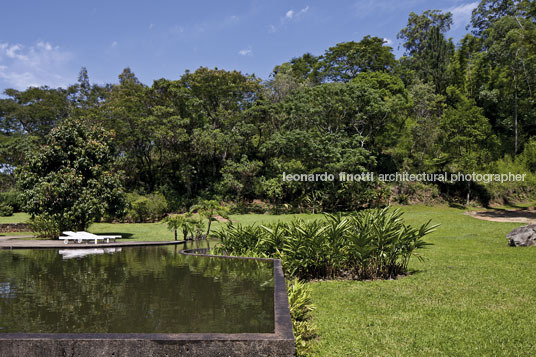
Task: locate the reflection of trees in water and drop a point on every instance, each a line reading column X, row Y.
column 136, row 290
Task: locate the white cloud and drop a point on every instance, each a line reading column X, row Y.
column 290, row 15
column 387, row 41
column 41, row 64
column 114, row 44
column 461, row 15
column 303, row 11
column 12, row 52
column 245, row 52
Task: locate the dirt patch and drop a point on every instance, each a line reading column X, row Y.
column 517, row 216
column 221, row 219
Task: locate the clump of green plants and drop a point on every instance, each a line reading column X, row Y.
column 149, row 208
column 374, row 243
column 11, row 198
column 300, row 305
column 189, row 225
column 45, row 226
column 5, row 210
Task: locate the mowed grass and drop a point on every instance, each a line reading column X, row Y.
column 473, row 296
column 159, row 231
column 18, row 217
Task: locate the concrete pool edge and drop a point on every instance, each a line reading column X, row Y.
column 279, row 343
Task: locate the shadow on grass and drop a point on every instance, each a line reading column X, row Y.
column 456, row 205
column 512, row 206
column 123, row 235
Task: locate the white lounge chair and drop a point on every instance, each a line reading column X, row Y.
column 86, row 236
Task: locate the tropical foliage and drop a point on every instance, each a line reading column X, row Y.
column 367, row 244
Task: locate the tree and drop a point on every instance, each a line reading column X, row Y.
column 285, row 81
column 513, row 65
column 128, row 113
column 435, row 58
column 209, row 209
column 303, row 69
column 489, row 11
column 34, row 111
column 239, row 179
column 418, row 28
column 467, row 138
column 427, row 49
column 346, row 60
column 70, row 179
column 425, row 128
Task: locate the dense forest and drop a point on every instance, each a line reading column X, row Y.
column 212, row 133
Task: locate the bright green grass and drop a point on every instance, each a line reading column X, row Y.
column 473, row 296
column 18, row 217
column 159, row 231
column 16, row 234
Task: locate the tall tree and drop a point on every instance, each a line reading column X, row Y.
column 509, row 44
column 428, row 52
column 343, row 62
column 417, row 31
column 489, row 11
column 466, row 136
column 70, row 180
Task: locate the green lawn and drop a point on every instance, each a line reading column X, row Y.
column 18, row 217
column 473, row 296
column 9, row 234
column 159, row 231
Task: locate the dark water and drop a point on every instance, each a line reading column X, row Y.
column 142, row 289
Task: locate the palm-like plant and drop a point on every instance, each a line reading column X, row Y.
column 210, row 209
column 184, row 222
column 369, row 244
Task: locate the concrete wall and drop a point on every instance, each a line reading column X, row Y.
column 144, row 345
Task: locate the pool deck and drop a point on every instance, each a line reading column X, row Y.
column 21, row 242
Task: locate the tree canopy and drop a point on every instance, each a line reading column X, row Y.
column 213, row 134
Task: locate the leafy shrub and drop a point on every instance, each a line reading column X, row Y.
column 512, row 191
column 243, row 207
column 45, row 226
column 410, row 192
column 150, row 208
column 5, row 210
column 12, row 198
column 300, row 304
column 373, row 243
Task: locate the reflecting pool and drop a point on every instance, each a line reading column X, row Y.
column 133, row 290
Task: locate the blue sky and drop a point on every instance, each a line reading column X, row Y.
column 47, row 42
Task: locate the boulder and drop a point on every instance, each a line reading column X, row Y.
column 524, row 236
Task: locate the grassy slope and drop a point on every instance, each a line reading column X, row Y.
column 473, row 295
